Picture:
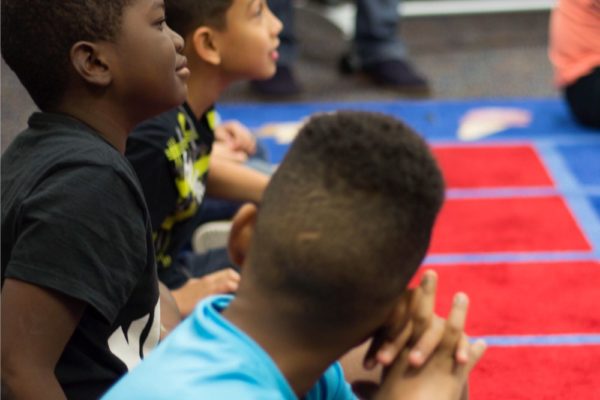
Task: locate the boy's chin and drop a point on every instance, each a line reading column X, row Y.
column 180, row 97
column 266, row 75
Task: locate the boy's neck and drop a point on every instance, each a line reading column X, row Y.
column 300, row 358
column 205, row 86
column 101, row 115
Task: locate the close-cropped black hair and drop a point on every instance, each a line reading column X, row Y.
column 37, row 36
column 347, row 218
column 185, row 16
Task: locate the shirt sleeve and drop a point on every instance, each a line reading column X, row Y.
column 82, row 232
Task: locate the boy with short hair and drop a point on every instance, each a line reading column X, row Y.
column 79, row 286
column 343, row 226
column 225, row 41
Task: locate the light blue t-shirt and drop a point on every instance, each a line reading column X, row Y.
column 207, row 357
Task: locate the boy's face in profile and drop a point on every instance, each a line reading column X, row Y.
column 249, row 41
column 147, row 70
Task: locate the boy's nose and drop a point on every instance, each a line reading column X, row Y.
column 276, row 24
column 177, row 40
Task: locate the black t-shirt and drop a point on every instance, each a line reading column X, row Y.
column 74, row 220
column 170, row 154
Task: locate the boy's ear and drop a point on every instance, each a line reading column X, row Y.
column 90, row 64
column 241, row 233
column 205, row 46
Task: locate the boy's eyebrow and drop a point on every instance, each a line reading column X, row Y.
column 159, row 4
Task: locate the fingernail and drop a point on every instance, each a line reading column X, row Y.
column 460, row 299
column 416, row 356
column 385, row 356
column 426, row 278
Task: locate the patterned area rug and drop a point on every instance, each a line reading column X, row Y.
column 520, row 232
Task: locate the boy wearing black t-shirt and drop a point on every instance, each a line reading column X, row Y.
column 226, row 41
column 79, row 287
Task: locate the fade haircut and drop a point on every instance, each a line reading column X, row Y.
column 37, row 36
column 185, row 16
column 347, row 218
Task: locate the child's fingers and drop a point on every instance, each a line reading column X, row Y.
column 462, row 350
column 427, row 343
column 476, row 351
column 427, row 327
column 370, row 360
column 424, row 328
column 456, row 322
column 242, row 137
column 387, row 339
column 389, row 350
column 424, row 304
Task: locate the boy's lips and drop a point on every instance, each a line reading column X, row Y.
column 182, row 70
column 274, row 55
column 275, row 52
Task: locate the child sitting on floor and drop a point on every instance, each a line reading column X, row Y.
column 343, row 225
column 226, row 41
column 80, row 298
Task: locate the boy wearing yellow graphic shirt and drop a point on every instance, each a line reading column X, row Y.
column 225, row 41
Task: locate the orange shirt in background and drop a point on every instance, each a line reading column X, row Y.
column 574, row 39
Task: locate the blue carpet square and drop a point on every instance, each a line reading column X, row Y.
column 583, row 161
column 596, row 204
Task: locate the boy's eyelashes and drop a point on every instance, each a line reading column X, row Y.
column 161, row 23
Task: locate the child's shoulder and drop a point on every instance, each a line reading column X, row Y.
column 55, row 138
column 55, row 150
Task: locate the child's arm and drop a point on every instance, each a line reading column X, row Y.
column 37, row 323
column 230, row 180
column 441, row 377
column 170, row 316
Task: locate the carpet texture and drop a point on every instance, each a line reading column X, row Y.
column 519, row 233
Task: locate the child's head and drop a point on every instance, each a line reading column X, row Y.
column 238, row 36
column 347, row 217
column 185, row 16
column 53, row 44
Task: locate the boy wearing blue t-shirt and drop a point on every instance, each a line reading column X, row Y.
column 343, row 226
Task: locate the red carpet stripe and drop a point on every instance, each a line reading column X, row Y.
column 537, row 373
column 492, row 166
column 524, row 299
column 506, row 225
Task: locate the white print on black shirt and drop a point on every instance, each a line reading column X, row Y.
column 127, row 347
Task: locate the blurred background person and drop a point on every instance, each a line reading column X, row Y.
column 575, row 55
column 376, row 50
